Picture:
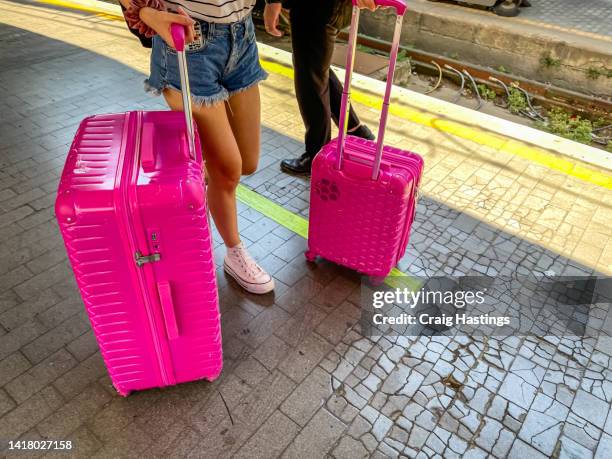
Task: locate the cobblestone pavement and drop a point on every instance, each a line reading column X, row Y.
column 593, row 16
column 299, row 380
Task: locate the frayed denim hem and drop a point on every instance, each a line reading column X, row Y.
column 206, row 101
column 258, row 80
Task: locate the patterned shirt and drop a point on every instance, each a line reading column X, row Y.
column 219, row 11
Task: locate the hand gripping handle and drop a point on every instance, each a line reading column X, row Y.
column 399, row 5
column 178, row 37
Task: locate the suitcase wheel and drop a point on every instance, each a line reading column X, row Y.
column 376, row 280
column 310, row 256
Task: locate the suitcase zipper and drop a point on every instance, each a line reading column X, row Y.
column 140, row 260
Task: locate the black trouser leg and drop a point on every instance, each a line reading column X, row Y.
column 335, row 99
column 317, row 88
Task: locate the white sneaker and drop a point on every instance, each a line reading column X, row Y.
column 251, row 277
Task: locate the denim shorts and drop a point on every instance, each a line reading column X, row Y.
column 224, row 62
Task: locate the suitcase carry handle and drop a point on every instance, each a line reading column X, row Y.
column 178, row 37
column 399, row 5
column 165, row 298
column 400, row 8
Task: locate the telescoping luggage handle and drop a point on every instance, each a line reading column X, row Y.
column 178, row 37
column 400, row 8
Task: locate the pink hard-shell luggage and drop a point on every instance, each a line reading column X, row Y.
column 132, row 210
column 363, row 194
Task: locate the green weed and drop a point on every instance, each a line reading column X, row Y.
column 486, row 93
column 570, row 126
column 502, row 69
column 594, row 73
column 550, row 62
column 517, row 100
column 403, row 56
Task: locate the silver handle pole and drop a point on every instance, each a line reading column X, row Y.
column 385, row 107
column 187, row 107
column 345, row 104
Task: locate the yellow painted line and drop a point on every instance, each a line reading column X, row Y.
column 83, row 7
column 496, row 141
column 291, row 221
column 299, row 225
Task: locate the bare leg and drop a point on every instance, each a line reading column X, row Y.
column 223, row 164
column 244, row 114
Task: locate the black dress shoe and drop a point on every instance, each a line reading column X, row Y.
column 297, row 166
column 364, row 132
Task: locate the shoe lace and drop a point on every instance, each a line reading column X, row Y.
column 248, row 262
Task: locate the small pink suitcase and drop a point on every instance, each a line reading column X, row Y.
column 363, row 194
column 132, row 210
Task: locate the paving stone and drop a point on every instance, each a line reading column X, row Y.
column 349, row 448
column 570, row 449
column 223, row 437
column 517, row 390
column 301, row 324
column 56, row 338
column 299, row 294
column 317, row 437
column 604, row 450
column 74, row 413
column 36, row 284
column 178, row 441
column 270, row 439
column 590, row 408
column 308, row 397
column 27, row 384
column 18, row 337
column 25, row 416
column 27, row 310
column 6, row 403
column 335, row 326
column 381, row 427
column 61, row 311
column 474, row 453
column 15, row 215
column 304, row 358
column 12, row 366
column 83, row 346
column 175, row 404
column 113, row 418
column 543, row 424
column 84, row 444
column 129, row 442
column 271, row 352
column 263, row 325
column 74, row 381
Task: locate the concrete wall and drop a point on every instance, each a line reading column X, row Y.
column 486, row 40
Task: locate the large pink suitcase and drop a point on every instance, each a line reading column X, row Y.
column 132, row 210
column 363, row 194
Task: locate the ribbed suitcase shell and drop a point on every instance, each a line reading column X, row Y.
column 128, row 186
column 358, row 222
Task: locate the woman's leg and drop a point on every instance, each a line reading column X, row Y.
column 228, row 134
column 244, row 115
column 223, row 164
